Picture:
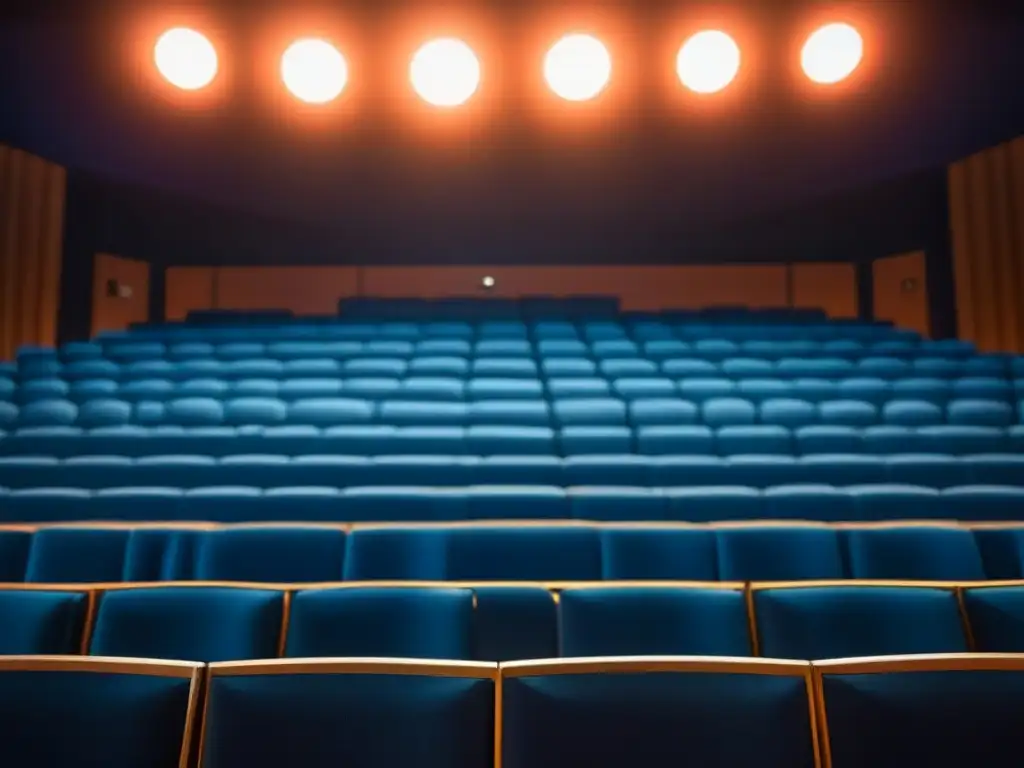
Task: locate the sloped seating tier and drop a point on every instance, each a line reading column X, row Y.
column 528, row 714
column 218, row 622
column 871, row 502
column 329, row 472
column 504, row 552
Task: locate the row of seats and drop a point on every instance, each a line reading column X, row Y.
column 765, row 444
column 525, row 367
column 275, row 471
column 505, row 552
column 875, row 390
column 234, row 504
column 134, row 351
column 223, row 623
column 944, row 711
column 776, row 415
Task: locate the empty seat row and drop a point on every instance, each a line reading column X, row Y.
column 420, row 409
column 698, row 503
column 524, row 367
column 514, row 345
column 444, row 387
column 949, row 710
column 776, row 445
column 547, row 553
column 338, row 471
column 222, row 623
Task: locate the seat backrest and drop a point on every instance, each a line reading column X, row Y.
column 399, row 622
column 615, row 712
column 119, row 713
column 200, row 623
column 934, row 711
column 653, row 621
column 828, row 622
column 351, row 712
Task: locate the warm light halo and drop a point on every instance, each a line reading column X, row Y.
column 578, row 67
column 832, row 53
column 445, row 72
column 708, row 61
column 186, row 58
column 314, row 70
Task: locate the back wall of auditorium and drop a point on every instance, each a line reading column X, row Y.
column 938, row 252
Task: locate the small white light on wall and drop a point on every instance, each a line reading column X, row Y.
column 487, row 282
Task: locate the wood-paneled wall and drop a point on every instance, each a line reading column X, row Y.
column 901, row 291
column 316, row 290
column 986, row 201
column 116, row 313
column 32, row 194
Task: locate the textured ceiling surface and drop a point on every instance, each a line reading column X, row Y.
column 940, row 80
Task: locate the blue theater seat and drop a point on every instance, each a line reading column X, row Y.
column 943, row 711
column 992, row 469
column 651, row 621
column 842, row 469
column 37, row 622
column 847, row 413
column 517, row 502
column 200, row 623
column 914, row 553
column 351, row 712
column 828, row 622
column 823, row 503
column 686, row 440
column 62, row 555
column 787, row 412
column 828, row 439
column 392, row 553
column 625, row 469
column 523, row 553
column 403, row 504
column 710, row 503
column 651, row 552
column 511, row 623
column 661, row 411
column 895, row 502
column 779, row 553
column 986, row 503
column 400, row 622
column 614, row 712
column 996, row 618
column 271, row 554
column 928, row 470
column 594, row 439
column 118, row 713
column 603, row 502
column 759, row 439
column 980, row 413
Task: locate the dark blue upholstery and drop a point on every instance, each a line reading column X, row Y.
column 969, row 714
column 651, row 621
column 93, row 714
column 842, row 621
column 409, row 622
column 996, row 617
column 271, row 554
column 195, row 623
column 41, row 622
column 354, row 716
column 915, row 552
column 511, row 623
column 646, row 714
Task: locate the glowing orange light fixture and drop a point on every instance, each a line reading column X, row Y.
column 832, row 53
column 186, row 58
column 314, row 71
column 445, row 72
column 578, row 67
column 708, row 61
